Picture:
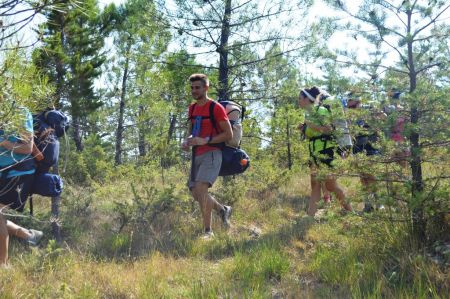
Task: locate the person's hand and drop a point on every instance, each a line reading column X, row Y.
column 300, row 127
column 185, row 145
column 197, row 141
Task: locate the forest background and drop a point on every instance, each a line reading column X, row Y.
column 128, row 227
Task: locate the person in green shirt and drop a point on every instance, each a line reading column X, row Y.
column 318, row 129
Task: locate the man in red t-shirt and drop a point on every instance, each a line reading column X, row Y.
column 205, row 139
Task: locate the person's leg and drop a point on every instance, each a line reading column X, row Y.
column 332, row 185
column 325, row 193
column 315, row 194
column 207, row 202
column 369, row 187
column 217, row 206
column 18, row 231
column 205, row 172
column 368, row 182
column 4, row 240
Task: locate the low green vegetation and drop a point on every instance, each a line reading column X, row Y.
column 143, row 242
column 130, row 228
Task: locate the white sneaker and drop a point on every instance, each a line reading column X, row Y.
column 225, row 215
column 207, row 235
column 35, row 238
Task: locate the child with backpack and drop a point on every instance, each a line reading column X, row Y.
column 341, row 131
column 318, row 128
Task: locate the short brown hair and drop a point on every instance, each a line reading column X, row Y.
column 199, row 77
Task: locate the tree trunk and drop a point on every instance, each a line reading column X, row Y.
column 60, row 72
column 223, row 52
column 77, row 132
column 141, row 134
column 419, row 222
column 123, row 93
column 288, row 132
column 173, row 122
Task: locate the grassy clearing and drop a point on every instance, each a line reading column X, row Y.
column 272, row 251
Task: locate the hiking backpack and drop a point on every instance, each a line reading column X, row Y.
column 341, row 131
column 234, row 159
column 49, row 125
column 235, row 114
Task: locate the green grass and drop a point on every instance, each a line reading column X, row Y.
column 293, row 257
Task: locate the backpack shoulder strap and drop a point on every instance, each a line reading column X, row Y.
column 211, row 114
column 214, row 124
column 191, row 110
column 328, row 107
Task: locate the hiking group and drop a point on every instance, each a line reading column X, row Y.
column 213, row 136
column 326, row 128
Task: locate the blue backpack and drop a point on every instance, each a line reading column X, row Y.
column 49, row 125
column 234, row 159
column 47, row 184
column 52, row 118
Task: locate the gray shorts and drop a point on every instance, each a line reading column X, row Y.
column 205, row 168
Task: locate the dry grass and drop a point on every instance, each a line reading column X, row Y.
column 272, row 251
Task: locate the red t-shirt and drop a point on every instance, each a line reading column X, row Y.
column 207, row 129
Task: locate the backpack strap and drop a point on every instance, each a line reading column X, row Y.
column 214, row 124
column 191, row 110
column 211, row 116
column 25, row 165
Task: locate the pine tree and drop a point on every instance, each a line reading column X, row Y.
column 71, row 55
column 139, row 40
column 417, row 32
column 230, row 37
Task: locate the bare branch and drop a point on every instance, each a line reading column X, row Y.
column 266, row 57
column 258, row 18
column 186, row 64
column 241, row 5
column 433, row 20
column 373, row 65
column 428, row 67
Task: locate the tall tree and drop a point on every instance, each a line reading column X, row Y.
column 417, row 32
column 279, row 78
column 71, row 55
column 222, row 31
column 139, row 40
